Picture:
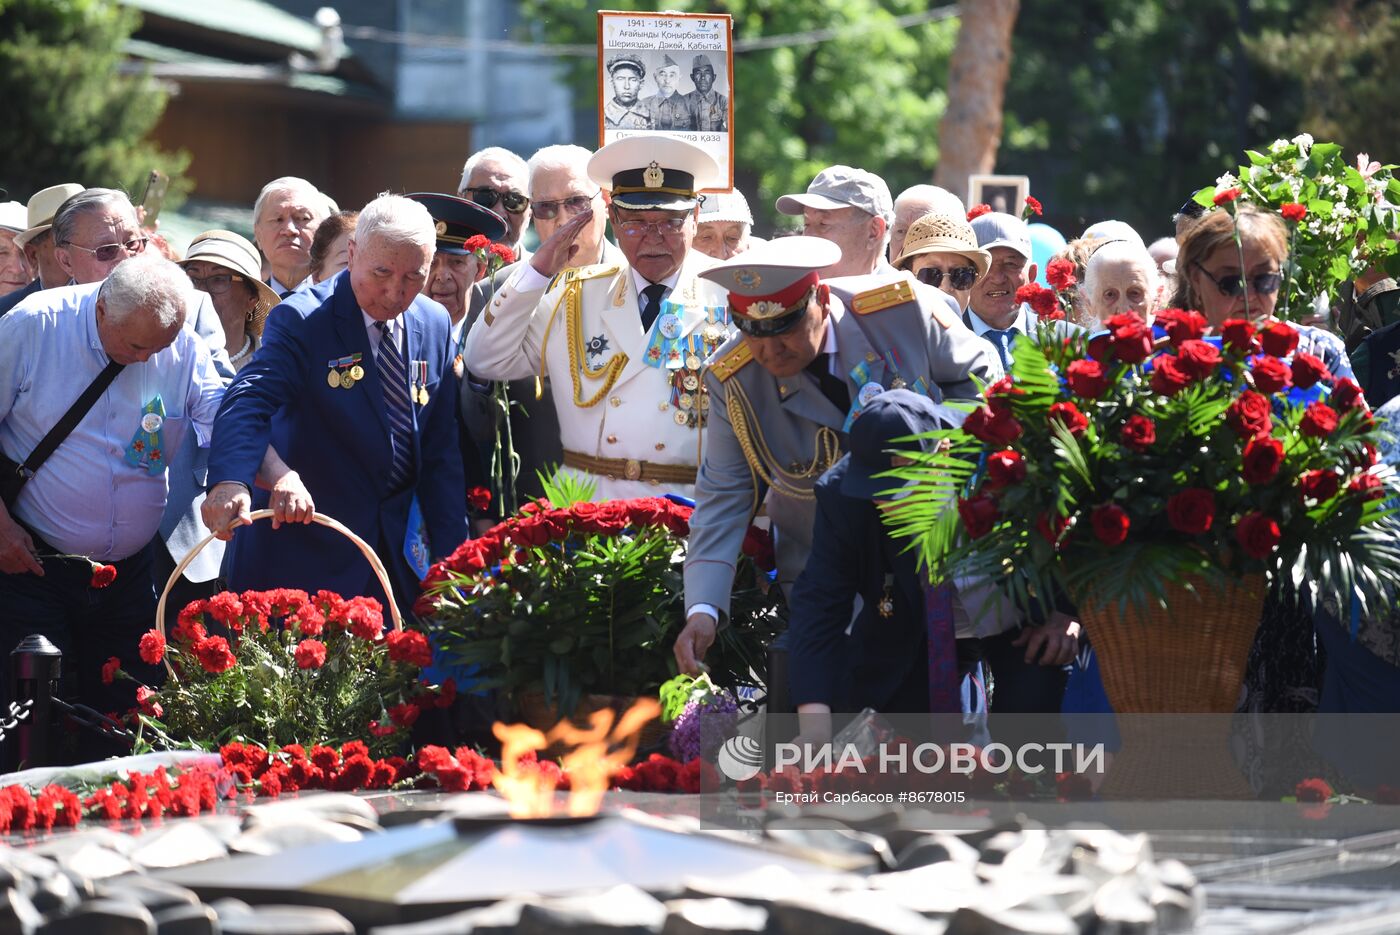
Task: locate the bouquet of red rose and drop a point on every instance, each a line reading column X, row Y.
column 585, row 599
column 292, row 668
column 1111, row 467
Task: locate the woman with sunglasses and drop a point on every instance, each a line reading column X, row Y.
column 1211, row 279
column 941, row 251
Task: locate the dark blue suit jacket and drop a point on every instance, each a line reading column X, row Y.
column 10, row 299
column 338, row 441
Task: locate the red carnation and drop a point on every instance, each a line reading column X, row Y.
column 310, row 654
column 1087, row 378
column 1346, row 394
column 409, row 646
column 404, row 714
column 148, row 707
column 1110, row 523
column 1319, row 485
column 1059, row 273
column 1032, row 205
column 110, row 669
column 979, row 515
column 1270, row 375
column 1238, row 335
column 1226, row 196
column 1182, row 325
column 214, row 654
column 1197, row 358
column 1279, row 339
column 1313, row 790
column 152, row 647
column 976, row 211
column 1292, row 211
column 479, row 499
column 1308, row 371
column 1249, row 415
column 1319, row 420
column 1005, row 468
column 1369, row 486
column 1139, row 433
column 1262, row 459
column 1191, row 511
column 1258, row 534
column 1042, row 301
column 1168, row 376
column 102, row 575
column 1068, row 415
column 992, row 426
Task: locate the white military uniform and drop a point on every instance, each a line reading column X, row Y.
column 584, row 331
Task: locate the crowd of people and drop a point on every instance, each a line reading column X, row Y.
column 369, row 364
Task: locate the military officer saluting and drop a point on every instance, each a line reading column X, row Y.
column 622, row 343
column 624, row 111
column 785, row 393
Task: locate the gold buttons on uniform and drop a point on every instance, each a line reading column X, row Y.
column 615, row 402
column 660, row 446
column 612, row 439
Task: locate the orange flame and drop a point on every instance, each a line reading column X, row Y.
column 596, row 753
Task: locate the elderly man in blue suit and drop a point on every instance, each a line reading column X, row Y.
column 354, row 388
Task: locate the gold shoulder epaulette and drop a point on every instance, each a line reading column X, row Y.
column 731, row 362
column 581, row 273
column 882, row 297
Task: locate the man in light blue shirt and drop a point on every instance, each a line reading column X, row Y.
column 100, row 495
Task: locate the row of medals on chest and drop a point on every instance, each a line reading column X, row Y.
column 688, row 393
column 345, row 372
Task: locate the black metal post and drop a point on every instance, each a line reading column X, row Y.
column 35, row 667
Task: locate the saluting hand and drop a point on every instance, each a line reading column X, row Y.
column 558, row 249
column 225, row 509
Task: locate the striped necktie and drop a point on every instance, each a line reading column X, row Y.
column 393, row 383
column 1002, row 340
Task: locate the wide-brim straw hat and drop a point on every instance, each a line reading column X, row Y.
column 235, row 253
column 943, row 233
column 43, row 205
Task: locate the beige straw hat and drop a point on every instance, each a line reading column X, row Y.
column 234, row 253
column 943, row 233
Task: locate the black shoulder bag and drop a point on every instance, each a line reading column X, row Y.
column 13, row 476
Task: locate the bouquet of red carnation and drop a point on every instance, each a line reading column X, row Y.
column 584, row 599
column 1113, row 466
column 282, row 667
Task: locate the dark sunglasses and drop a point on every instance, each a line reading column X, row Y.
column 1232, row 286
column 549, row 210
column 1190, row 208
column 514, row 202
column 961, row 277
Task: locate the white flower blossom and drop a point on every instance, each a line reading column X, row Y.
column 1226, row 181
column 1304, row 141
column 1278, row 146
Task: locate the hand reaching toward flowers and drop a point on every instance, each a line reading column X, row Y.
column 694, row 641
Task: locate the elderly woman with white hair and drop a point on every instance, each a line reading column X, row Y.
column 285, row 218
column 724, row 225
column 1120, row 276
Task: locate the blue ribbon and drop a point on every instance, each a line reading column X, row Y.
column 147, row 449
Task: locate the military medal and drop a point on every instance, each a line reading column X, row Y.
column 147, row 449
column 868, row 392
column 333, row 378
column 886, row 605
column 691, row 382
column 686, row 401
column 151, row 422
column 693, row 361
column 712, row 333
column 346, row 381
column 669, row 325
column 682, row 418
column 357, row 372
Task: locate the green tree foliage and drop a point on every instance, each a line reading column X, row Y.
column 872, row 97
column 70, row 114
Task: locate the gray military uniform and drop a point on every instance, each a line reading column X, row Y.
column 775, row 436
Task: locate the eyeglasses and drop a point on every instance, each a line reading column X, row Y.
column 1232, row 286
column 549, row 210
column 960, row 277
column 108, row 251
column 514, row 202
column 638, row 229
column 217, row 284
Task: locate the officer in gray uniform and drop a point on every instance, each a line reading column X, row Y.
column 785, row 391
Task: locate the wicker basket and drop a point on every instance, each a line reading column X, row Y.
column 1161, row 663
column 318, row 518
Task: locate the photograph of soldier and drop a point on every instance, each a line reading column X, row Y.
column 668, row 108
column 624, row 111
column 708, row 107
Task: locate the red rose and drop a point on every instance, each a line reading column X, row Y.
column 1032, row 205
column 1346, row 394
column 1087, row 378
column 1005, row 468
column 976, row 211
column 1319, row 420
column 1139, row 433
column 1313, row 790
column 110, row 669
column 1068, row 415
column 1168, row 376
column 409, row 646
column 1308, row 371
column 1110, row 523
column 1132, row 342
column 998, row 395
column 1226, row 196
column 1059, row 273
column 1238, row 335
column 479, row 499
column 1292, row 211
column 1249, row 415
column 1050, row 531
column 102, row 575
column 1182, row 325
column 1262, row 459
column 1258, row 535
column 1197, row 358
column 152, row 647
column 1319, row 485
column 1279, row 339
column 214, row 654
column 1191, row 511
column 979, row 515
column 1270, row 375
column 992, row 427
column 310, row 654
column 1369, row 486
